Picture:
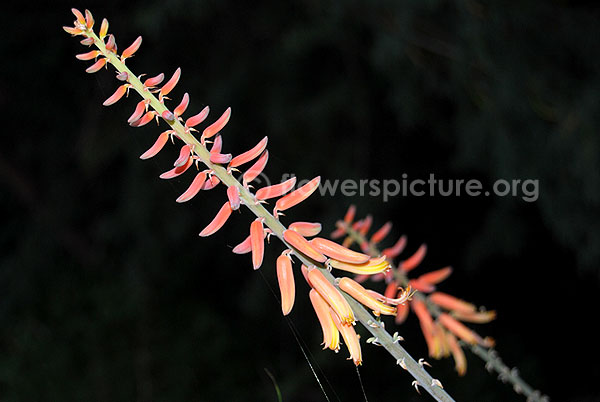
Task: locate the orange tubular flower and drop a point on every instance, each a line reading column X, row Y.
column 276, row 190
column 333, row 250
column 331, row 335
column 218, row 221
column 306, row 229
column 350, row 337
column 435, row 277
column 373, row 266
column 460, row 361
column 414, row 260
column 250, row 155
column 452, row 303
column 233, row 194
column 158, row 145
column 396, row 249
column 296, row 197
column 168, row 87
column 285, row 277
column 331, row 295
column 127, row 53
column 461, row 331
column 217, row 125
column 381, row 233
column 255, row 169
column 257, row 242
column 361, row 295
column 194, row 188
column 298, row 242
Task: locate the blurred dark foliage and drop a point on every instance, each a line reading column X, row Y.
column 108, row 294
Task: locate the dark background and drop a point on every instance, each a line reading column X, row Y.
column 108, row 294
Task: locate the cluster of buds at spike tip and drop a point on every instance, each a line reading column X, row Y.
column 332, row 308
column 442, row 332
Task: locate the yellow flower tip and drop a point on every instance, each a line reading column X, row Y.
column 371, row 267
column 331, row 295
column 350, row 338
column 360, row 294
column 331, row 335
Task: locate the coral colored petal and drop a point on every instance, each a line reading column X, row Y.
column 360, row 294
column 158, row 145
column 401, row 313
column 306, row 229
column 337, row 252
column 349, row 217
column 396, row 249
column 256, row 169
column 181, row 108
column 250, row 155
column 217, row 125
column 140, row 108
column 435, row 277
column 421, row 286
column 297, row 196
column 154, row 81
column 332, row 296
column 96, row 66
column 233, row 194
column 276, row 190
column 219, row 158
column 452, row 303
column 331, row 335
column 285, row 278
column 194, row 188
column 380, row 234
column 350, row 338
column 147, row 118
column 89, row 19
column 198, row 118
column 176, row 171
column 217, row 145
column 298, row 242
column 184, row 154
column 79, row 16
column 211, row 183
column 218, row 221
column 414, row 260
column 257, row 241
column 168, row 87
column 103, row 28
column 244, row 247
column 122, row 90
column 132, row 48
column 89, row 55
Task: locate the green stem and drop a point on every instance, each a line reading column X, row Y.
column 423, row 378
column 490, row 356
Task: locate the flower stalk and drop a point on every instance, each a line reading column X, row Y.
column 493, row 363
column 151, row 108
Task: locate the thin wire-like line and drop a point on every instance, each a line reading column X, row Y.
column 361, row 384
column 298, row 337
